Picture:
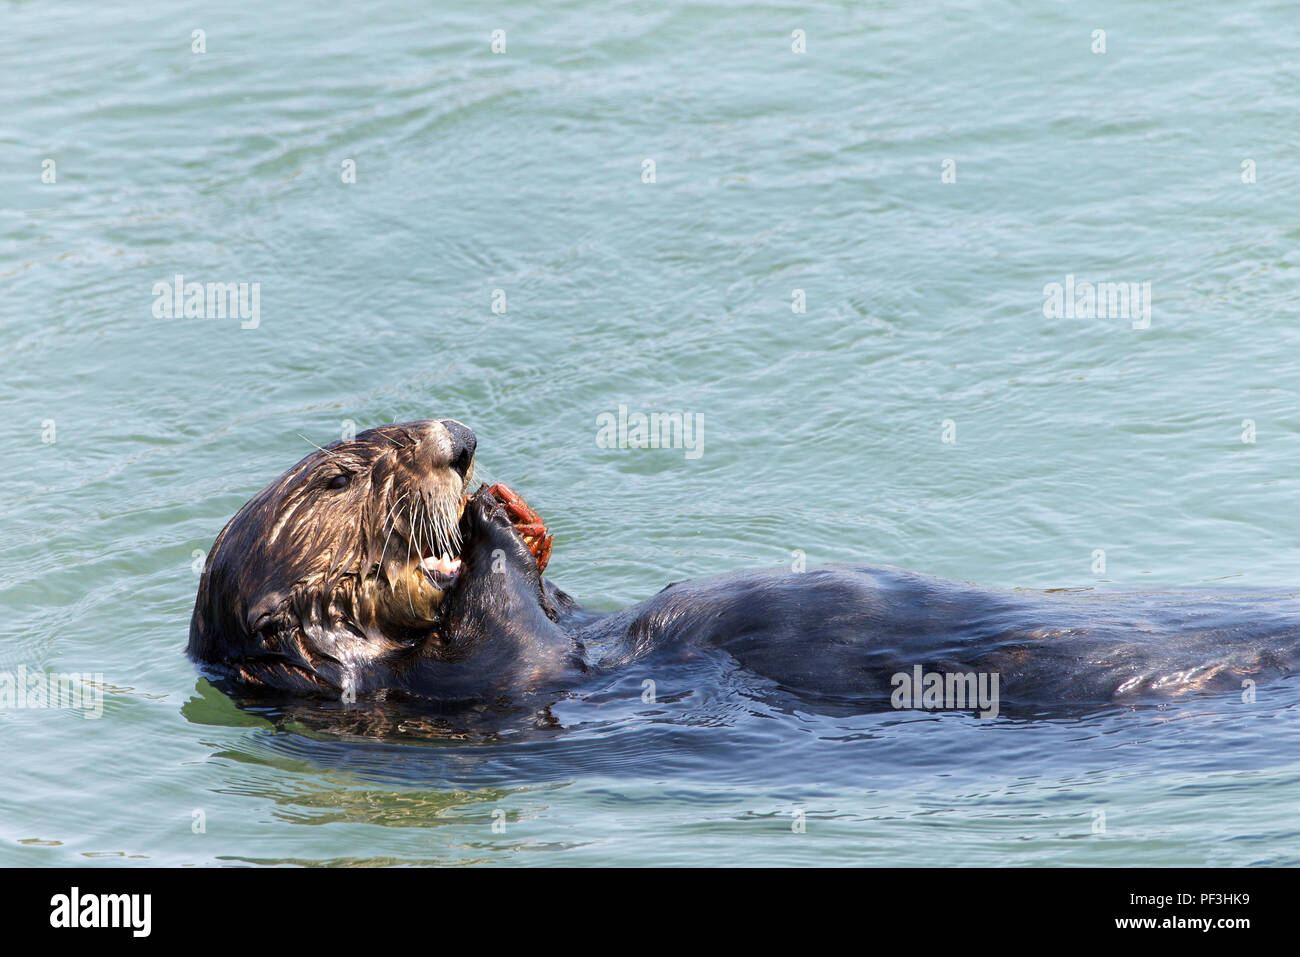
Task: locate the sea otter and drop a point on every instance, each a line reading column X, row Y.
column 371, row 568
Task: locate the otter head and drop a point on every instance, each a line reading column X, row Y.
column 340, row 563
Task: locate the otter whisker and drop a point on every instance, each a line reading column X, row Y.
column 314, row 445
column 390, row 520
column 450, row 527
column 418, row 526
column 433, row 522
column 406, row 435
column 436, row 521
column 426, row 528
column 485, row 476
column 410, row 527
column 391, row 525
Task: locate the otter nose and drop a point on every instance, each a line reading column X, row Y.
column 463, row 444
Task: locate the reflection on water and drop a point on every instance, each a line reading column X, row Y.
column 693, row 760
column 733, row 727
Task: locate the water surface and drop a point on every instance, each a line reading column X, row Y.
column 823, row 430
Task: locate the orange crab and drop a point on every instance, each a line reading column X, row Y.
column 527, row 523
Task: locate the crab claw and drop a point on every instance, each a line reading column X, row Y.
column 544, row 553
column 527, row 523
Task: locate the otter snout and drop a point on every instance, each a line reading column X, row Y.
column 440, row 444
column 463, row 445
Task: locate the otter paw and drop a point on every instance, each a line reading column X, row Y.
column 527, row 523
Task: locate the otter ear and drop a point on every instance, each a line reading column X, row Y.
column 267, row 617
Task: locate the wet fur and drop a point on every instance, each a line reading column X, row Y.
column 296, row 585
column 283, row 606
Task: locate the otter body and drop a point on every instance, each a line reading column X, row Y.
column 847, row 631
column 368, row 569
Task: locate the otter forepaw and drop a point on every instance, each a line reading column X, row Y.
column 529, row 525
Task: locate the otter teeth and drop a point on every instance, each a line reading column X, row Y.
column 444, row 564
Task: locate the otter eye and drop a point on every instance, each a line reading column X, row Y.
column 339, row 481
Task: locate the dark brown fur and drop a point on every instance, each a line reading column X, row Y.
column 315, row 582
column 315, row 588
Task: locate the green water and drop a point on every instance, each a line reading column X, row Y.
column 823, row 431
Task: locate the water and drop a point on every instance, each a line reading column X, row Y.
column 774, row 171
